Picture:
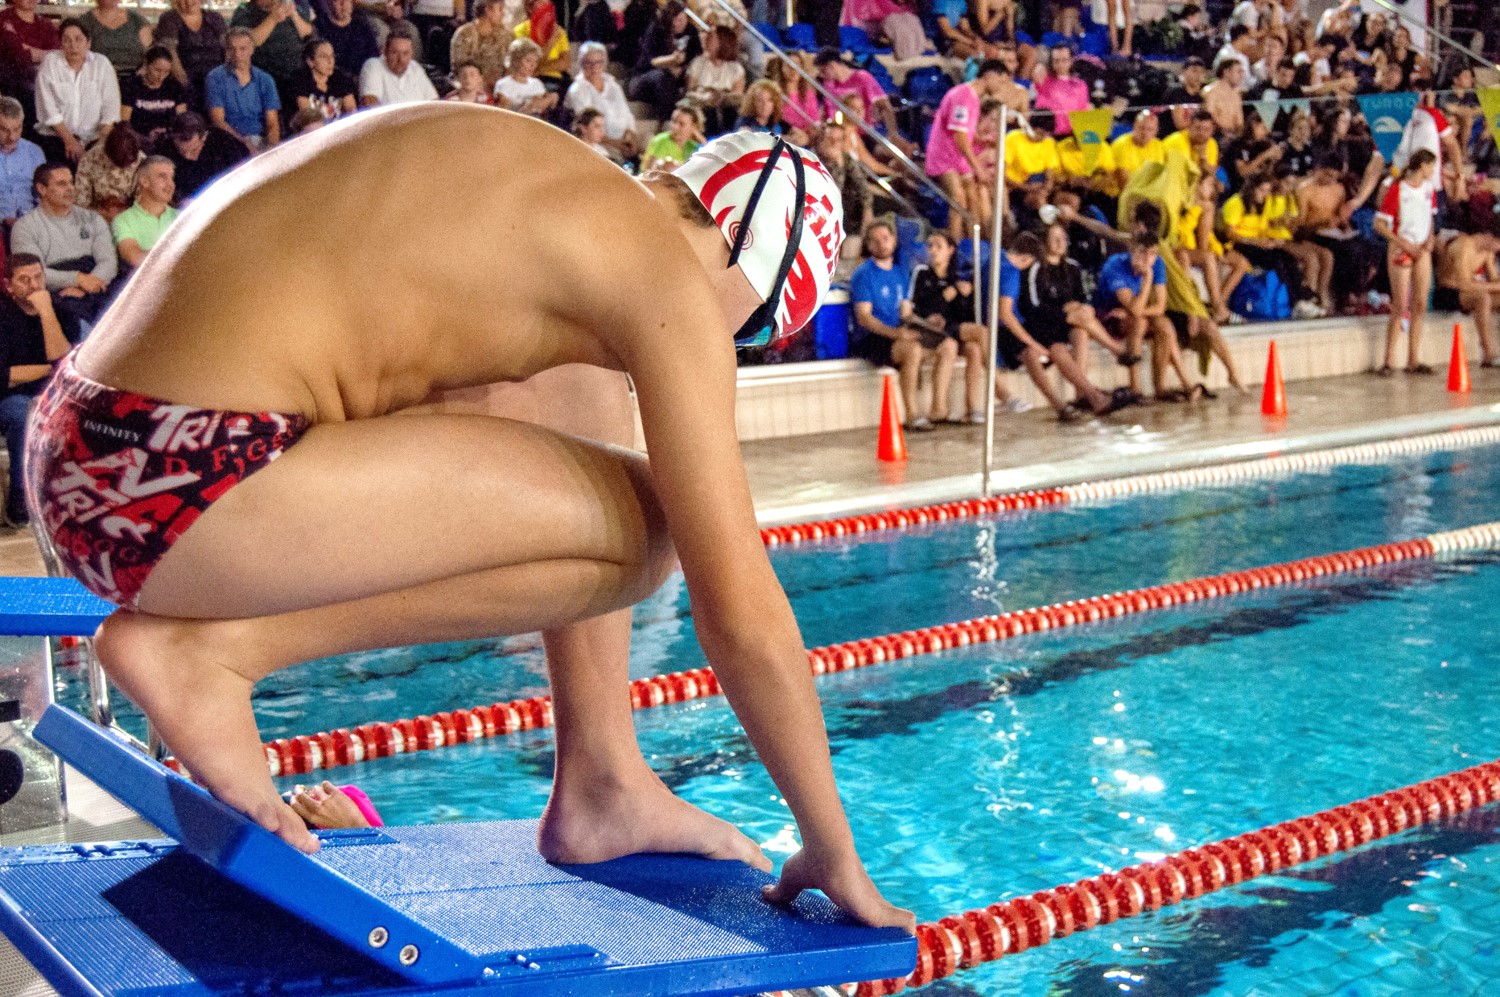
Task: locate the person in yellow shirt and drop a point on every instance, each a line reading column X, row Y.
column 1196, row 142
column 1198, row 246
column 1031, row 163
column 1139, row 146
column 1100, row 180
column 1244, row 219
column 541, row 27
column 1282, row 225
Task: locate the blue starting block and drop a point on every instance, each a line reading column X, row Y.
column 49, row 607
column 227, row 908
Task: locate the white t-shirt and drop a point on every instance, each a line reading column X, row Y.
column 610, row 102
column 1230, row 52
column 1246, row 13
column 1409, row 210
column 1425, row 129
column 376, row 80
column 433, row 8
column 517, row 94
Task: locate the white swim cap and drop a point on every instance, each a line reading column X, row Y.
column 760, row 174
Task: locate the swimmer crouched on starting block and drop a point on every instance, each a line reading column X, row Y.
column 238, row 456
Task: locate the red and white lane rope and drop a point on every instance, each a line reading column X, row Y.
column 1194, row 477
column 345, row 746
column 962, row 941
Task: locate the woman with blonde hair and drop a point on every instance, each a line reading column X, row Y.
column 760, row 109
column 801, row 107
column 520, row 89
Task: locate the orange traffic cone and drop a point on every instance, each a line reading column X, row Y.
column 1458, row 364
column 1273, row 399
column 892, row 445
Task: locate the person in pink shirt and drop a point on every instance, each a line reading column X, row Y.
column 952, row 155
column 801, row 107
column 896, row 20
column 840, row 78
column 1059, row 91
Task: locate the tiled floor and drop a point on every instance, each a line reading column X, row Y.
column 809, row 477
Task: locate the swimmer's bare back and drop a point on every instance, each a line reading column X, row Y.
column 348, row 276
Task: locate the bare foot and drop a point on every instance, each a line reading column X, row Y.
column 604, row 819
column 179, row 673
column 843, row 879
column 327, row 806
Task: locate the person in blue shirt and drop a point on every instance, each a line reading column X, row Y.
column 1045, row 345
column 19, row 159
column 889, row 334
column 242, row 99
column 1133, row 294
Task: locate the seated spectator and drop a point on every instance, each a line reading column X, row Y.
column 1253, row 152
column 1199, row 39
column 308, row 119
column 1053, row 296
column 1406, row 222
column 468, row 85
column 1133, row 293
column 19, row 159
column 1244, row 219
column 1240, row 43
column 841, row 79
column 483, row 42
column 1280, row 85
column 1262, row 70
column 195, row 37
column 521, row 90
column 107, row 172
column 855, row 196
column 589, row 127
column 1096, row 185
column 321, row 85
column 894, row 20
column 541, row 28
column 1184, row 96
column 802, row 109
column 760, row 109
column 594, row 21
column 1038, row 347
column 77, row 96
column 200, row 154
column 859, row 143
column 1468, row 281
column 940, row 300
column 955, row 35
column 396, row 77
column 1198, row 246
column 1196, row 142
column 1137, row 147
column 953, row 152
column 139, row 227
column 34, row 335
column 278, row 29
column 1223, row 97
column 596, row 89
column 1461, row 105
column 1031, row 161
column 671, row 148
column 120, row 35
column 1010, row 92
column 151, row 98
column 25, row 39
column 434, row 22
column 241, row 98
column 716, row 80
column 1060, row 91
column 1400, row 53
column 73, row 244
column 669, row 45
column 352, row 35
column 1324, row 209
column 880, row 291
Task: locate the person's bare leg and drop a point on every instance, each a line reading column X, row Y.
column 1421, row 284
column 953, row 184
column 1078, row 341
column 1164, row 354
column 326, row 551
column 1325, row 276
column 972, row 336
column 1220, row 348
column 1400, row 293
column 906, row 354
column 1477, row 304
column 1238, row 267
column 1034, row 359
column 942, row 379
column 1062, row 359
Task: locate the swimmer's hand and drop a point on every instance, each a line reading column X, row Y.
column 844, row 880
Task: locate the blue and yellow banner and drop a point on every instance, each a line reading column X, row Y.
column 1387, row 114
column 1091, row 128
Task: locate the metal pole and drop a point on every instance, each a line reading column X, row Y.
column 916, row 171
column 994, row 355
column 978, row 298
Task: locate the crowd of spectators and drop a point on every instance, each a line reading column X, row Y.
column 1236, row 170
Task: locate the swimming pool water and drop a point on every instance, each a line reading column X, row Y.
column 994, row 771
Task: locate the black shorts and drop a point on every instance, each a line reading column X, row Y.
column 874, row 348
column 1183, row 326
column 1445, row 299
column 1048, row 332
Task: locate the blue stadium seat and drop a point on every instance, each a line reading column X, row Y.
column 965, row 257
column 927, row 85
column 877, row 69
column 857, row 41
column 911, row 249
column 1052, row 39
column 1095, row 42
column 801, row 36
column 1024, row 38
column 769, row 30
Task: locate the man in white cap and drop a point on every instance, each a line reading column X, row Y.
column 236, row 461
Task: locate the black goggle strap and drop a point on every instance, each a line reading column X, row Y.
column 759, row 326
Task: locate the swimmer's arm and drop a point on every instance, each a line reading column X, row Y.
column 683, row 364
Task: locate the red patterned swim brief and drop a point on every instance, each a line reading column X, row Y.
column 115, row 477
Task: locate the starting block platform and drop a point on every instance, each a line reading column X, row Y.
column 225, row 907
